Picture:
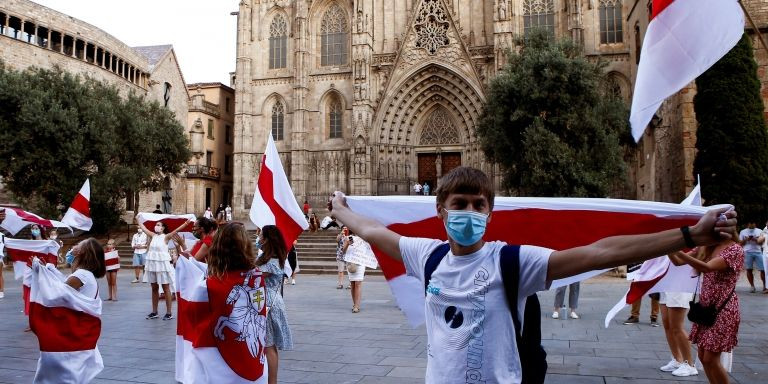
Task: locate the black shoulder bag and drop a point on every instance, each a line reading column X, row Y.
column 705, row 315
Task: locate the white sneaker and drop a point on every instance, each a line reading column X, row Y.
column 135, row 281
column 574, row 316
column 2, row 294
column 685, row 370
column 555, row 315
column 293, row 281
column 671, row 366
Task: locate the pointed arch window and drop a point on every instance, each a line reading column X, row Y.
column 278, row 121
column 611, row 29
column 278, row 42
column 333, row 37
column 335, row 120
column 539, row 14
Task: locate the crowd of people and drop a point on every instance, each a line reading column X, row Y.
column 464, row 202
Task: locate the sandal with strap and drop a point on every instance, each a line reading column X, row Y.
column 355, row 309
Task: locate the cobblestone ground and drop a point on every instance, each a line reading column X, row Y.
column 333, row 345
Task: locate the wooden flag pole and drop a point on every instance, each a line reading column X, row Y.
column 754, row 26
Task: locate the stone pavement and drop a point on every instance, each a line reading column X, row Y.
column 377, row 346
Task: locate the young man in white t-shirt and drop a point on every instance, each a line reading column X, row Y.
column 471, row 337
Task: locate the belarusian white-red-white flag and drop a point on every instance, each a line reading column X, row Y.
column 557, row 223
column 659, row 274
column 79, row 213
column 274, row 203
column 221, row 326
column 684, row 39
column 171, row 221
column 21, row 252
column 67, row 325
column 16, row 219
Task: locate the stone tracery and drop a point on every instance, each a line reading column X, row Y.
column 431, row 26
column 439, row 129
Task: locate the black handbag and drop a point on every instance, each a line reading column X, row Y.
column 705, row 314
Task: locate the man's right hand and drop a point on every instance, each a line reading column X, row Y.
column 338, row 199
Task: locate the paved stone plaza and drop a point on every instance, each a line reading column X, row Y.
column 376, row 345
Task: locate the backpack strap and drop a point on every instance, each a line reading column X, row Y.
column 433, row 261
column 509, row 263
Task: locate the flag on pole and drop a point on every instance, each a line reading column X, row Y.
column 79, row 213
column 659, row 274
column 21, row 253
column 67, row 325
column 273, row 202
column 683, row 39
column 557, row 223
column 16, row 219
column 221, row 326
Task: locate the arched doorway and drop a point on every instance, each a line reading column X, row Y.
column 438, row 130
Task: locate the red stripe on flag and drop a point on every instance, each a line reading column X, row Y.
column 26, row 256
column 638, row 288
column 26, row 216
column 266, row 186
column 60, row 329
column 171, row 224
column 194, row 322
column 82, row 205
column 659, row 6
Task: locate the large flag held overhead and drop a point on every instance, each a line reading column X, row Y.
column 273, row 201
column 16, row 219
column 557, row 223
column 684, row 39
column 79, row 213
column 171, row 221
column 67, row 325
column 21, row 252
column 221, row 326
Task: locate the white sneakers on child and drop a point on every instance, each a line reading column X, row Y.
column 555, row 315
column 671, row 366
column 685, row 370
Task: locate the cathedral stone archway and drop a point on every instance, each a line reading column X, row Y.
column 438, row 131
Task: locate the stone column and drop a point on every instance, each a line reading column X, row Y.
column 243, row 156
column 362, row 107
column 299, row 155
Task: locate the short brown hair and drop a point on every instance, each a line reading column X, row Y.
column 91, row 258
column 231, row 250
column 465, row 180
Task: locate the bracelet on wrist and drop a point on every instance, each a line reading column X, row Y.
column 687, row 236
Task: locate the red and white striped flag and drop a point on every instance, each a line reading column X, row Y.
column 171, row 221
column 274, row 203
column 67, row 325
column 684, row 39
column 21, row 253
column 112, row 260
column 16, row 219
column 557, row 223
column 221, row 326
column 79, row 213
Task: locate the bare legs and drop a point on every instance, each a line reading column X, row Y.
column 156, row 297
column 673, row 320
column 272, row 362
column 357, row 293
column 137, row 271
column 341, row 280
column 751, row 278
column 112, row 284
column 715, row 372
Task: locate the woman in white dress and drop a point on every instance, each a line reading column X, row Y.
column 158, row 269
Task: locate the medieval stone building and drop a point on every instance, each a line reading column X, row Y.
column 371, row 96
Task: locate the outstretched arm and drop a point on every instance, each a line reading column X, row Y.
column 621, row 250
column 368, row 229
column 170, row 235
column 716, row 263
column 145, row 230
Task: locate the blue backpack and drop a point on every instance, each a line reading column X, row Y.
column 533, row 358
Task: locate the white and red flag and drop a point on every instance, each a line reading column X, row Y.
column 557, row 223
column 16, row 219
column 21, row 252
column 171, row 221
column 221, row 326
column 67, row 325
column 79, row 213
column 684, row 39
column 274, row 203
column 112, row 260
column 659, row 274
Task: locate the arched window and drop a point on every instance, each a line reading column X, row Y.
column 333, row 35
column 278, row 121
column 611, row 30
column 539, row 14
column 335, row 119
column 278, row 41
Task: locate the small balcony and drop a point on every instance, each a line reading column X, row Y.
column 203, row 172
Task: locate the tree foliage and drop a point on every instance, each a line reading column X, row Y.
column 732, row 141
column 57, row 129
column 551, row 124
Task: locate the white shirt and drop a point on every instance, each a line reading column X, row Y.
column 470, row 333
column 208, row 214
column 139, row 239
column 90, row 288
column 750, row 245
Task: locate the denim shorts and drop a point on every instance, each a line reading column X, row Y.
column 138, row 259
column 753, row 259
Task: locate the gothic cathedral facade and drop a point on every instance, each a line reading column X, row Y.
column 372, row 96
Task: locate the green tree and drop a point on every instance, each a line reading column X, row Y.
column 57, row 129
column 552, row 125
column 732, row 141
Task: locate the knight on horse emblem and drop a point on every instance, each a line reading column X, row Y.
column 248, row 317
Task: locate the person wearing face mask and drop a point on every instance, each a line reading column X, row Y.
column 204, row 229
column 470, row 333
column 158, row 270
column 140, row 246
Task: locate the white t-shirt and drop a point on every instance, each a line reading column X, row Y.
column 750, row 245
column 139, row 239
column 90, row 288
column 470, row 333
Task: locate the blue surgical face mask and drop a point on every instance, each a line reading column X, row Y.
column 35, row 232
column 466, row 227
column 70, row 257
